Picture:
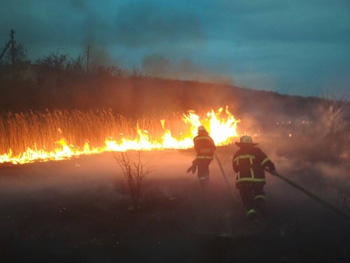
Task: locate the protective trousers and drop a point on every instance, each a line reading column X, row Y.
column 253, row 199
column 203, row 169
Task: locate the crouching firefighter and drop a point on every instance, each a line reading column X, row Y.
column 204, row 147
column 250, row 162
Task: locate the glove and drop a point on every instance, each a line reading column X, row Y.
column 193, row 167
column 272, row 171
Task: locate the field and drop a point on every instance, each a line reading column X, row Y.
column 80, row 210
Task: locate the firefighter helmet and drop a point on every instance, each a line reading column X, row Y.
column 201, row 128
column 246, row 139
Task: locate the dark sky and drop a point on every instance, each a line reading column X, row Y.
column 297, row 47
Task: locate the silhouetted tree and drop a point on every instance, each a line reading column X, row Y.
column 107, row 71
column 54, row 61
column 76, row 65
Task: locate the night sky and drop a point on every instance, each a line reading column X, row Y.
column 296, row 47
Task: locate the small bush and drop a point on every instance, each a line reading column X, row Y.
column 134, row 170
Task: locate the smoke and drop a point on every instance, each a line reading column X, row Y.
column 138, row 29
column 96, row 184
column 158, row 65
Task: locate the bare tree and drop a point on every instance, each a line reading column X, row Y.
column 54, row 60
column 134, row 171
column 107, row 71
column 76, row 65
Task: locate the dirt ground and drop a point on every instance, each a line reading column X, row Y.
column 80, row 211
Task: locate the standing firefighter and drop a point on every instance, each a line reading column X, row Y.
column 250, row 162
column 204, row 147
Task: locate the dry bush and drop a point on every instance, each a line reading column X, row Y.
column 334, row 114
column 134, row 170
column 334, row 124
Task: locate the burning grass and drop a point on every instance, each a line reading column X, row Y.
column 59, row 134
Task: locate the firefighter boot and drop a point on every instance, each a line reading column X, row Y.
column 260, row 206
column 204, row 180
column 251, row 214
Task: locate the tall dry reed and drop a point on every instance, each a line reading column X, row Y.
column 43, row 130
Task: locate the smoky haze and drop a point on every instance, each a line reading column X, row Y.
column 76, row 206
column 100, row 175
column 297, row 49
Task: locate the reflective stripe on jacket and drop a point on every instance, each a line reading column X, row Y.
column 204, row 146
column 249, row 163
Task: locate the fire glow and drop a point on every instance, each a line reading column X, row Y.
column 220, row 124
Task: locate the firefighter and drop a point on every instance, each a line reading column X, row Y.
column 250, row 163
column 204, row 147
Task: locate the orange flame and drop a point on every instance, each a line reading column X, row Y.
column 221, row 129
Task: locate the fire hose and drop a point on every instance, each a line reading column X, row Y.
column 225, row 178
column 315, row 197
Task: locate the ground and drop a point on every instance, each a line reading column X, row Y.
column 80, row 211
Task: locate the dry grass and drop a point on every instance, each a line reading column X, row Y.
column 42, row 130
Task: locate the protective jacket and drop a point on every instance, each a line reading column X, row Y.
column 249, row 162
column 204, row 146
